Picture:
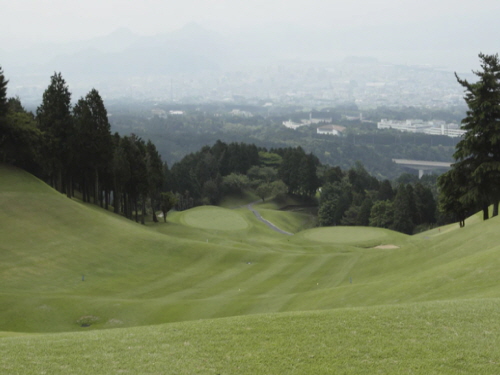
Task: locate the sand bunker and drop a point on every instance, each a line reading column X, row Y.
column 386, row 247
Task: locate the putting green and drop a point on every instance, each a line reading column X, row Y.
column 346, row 235
column 209, row 217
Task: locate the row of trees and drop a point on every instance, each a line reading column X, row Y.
column 473, row 183
column 72, row 148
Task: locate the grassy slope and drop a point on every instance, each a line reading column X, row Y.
column 186, row 270
column 424, row 338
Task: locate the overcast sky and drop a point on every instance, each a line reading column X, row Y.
column 444, row 33
column 63, row 20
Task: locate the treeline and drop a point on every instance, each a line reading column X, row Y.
column 354, row 197
column 72, row 148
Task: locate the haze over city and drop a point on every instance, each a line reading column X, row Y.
column 160, row 47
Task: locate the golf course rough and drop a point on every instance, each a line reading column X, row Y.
column 214, row 218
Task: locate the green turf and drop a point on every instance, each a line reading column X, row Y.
column 292, row 222
column 209, row 217
column 425, row 338
column 358, row 236
column 71, row 267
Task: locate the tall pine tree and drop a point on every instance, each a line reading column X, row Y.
column 479, row 149
column 55, row 121
column 3, row 94
column 93, row 144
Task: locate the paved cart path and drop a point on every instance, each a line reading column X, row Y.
column 268, row 223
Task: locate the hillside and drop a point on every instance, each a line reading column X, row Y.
column 424, row 304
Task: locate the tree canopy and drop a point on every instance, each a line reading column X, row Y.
column 477, row 154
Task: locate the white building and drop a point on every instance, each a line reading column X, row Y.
column 293, row 125
column 418, row 126
column 330, row 129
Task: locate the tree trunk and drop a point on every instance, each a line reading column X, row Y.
column 116, row 202
column 486, row 212
column 143, row 210
column 495, row 209
column 59, row 181
column 125, row 205
column 69, row 182
column 165, row 216
column 96, row 188
column 106, row 199
column 155, row 219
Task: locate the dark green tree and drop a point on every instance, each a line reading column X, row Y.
column 121, row 172
column 364, row 212
column 20, row 139
column 279, row 190
column 350, row 216
column 298, row 171
column 168, row 200
column 382, row 214
column 478, row 152
column 264, row 190
column 337, row 198
column 453, row 186
column 156, row 176
column 403, row 212
column 425, row 205
column 3, row 94
column 288, row 171
column 93, row 144
column 235, row 183
column 308, row 177
column 385, row 191
column 328, row 213
column 56, row 122
column 332, row 174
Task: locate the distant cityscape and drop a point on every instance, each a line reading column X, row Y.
column 367, row 84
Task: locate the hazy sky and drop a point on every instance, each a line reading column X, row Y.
column 63, row 20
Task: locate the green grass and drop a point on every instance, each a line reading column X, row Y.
column 357, row 236
column 209, row 217
column 321, row 301
column 292, row 222
column 425, row 338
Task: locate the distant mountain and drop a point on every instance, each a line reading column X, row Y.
column 191, row 49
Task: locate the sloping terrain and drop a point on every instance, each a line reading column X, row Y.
column 66, row 266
